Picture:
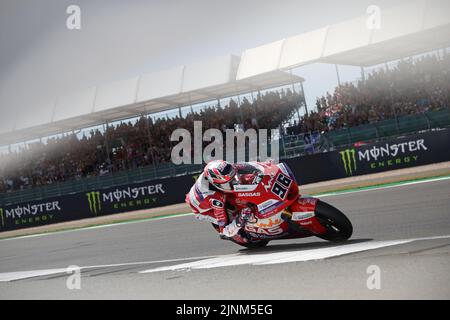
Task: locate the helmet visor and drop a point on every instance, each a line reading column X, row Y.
column 228, row 186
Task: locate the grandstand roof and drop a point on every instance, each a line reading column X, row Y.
column 416, row 27
column 148, row 93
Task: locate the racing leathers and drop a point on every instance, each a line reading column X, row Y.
column 204, row 198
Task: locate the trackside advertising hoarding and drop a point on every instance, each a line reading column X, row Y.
column 95, row 203
column 410, row 151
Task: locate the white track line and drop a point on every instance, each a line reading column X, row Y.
column 373, row 188
column 10, row 276
column 208, row 262
column 286, row 256
column 116, row 224
column 19, row 275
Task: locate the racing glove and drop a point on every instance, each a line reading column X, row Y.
column 231, row 230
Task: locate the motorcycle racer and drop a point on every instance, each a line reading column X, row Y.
column 254, row 203
column 212, row 188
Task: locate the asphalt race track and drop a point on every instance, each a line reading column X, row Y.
column 401, row 233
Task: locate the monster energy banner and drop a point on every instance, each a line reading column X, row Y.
column 37, row 213
column 381, row 156
column 95, row 203
column 410, row 151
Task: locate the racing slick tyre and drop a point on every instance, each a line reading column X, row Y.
column 339, row 227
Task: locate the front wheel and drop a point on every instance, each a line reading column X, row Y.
column 339, row 227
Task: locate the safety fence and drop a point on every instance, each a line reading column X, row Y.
column 290, row 146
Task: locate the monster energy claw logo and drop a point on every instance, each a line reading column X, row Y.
column 349, row 160
column 94, row 202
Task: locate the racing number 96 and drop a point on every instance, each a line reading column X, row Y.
column 281, row 186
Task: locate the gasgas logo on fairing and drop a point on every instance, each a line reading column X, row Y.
column 273, row 231
column 249, row 194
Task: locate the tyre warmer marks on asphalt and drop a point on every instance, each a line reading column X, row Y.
column 233, row 259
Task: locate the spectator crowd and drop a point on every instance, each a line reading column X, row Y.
column 131, row 145
column 410, row 87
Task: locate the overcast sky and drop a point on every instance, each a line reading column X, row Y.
column 40, row 58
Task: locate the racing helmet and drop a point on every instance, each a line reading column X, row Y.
column 221, row 174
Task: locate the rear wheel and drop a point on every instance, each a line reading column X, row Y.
column 339, row 227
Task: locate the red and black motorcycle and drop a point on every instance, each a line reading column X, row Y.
column 280, row 212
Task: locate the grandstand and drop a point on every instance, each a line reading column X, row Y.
column 177, row 87
column 229, row 80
